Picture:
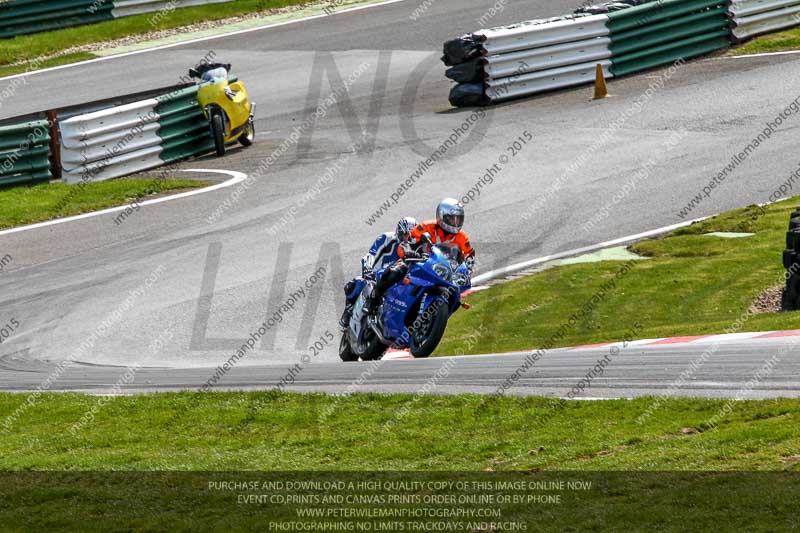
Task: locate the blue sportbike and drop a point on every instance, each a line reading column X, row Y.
column 414, row 312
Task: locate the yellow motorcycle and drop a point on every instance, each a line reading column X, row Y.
column 226, row 106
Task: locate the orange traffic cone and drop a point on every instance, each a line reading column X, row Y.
column 600, row 89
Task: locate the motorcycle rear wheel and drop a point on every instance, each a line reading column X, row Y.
column 371, row 346
column 374, row 349
column 345, row 352
column 218, row 132
column 424, row 339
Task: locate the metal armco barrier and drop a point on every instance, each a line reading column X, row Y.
column 537, row 56
column 535, row 35
column 548, row 57
column 126, row 8
column 665, row 31
column 540, row 57
column 22, row 17
column 545, row 80
column 754, row 17
column 184, row 128
column 24, row 153
column 131, row 138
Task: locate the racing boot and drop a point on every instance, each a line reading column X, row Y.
column 344, row 322
column 349, row 305
column 371, row 304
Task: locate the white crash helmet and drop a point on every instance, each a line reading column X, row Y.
column 404, row 227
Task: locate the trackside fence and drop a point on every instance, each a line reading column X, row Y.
column 492, row 65
column 755, row 17
column 104, row 140
column 131, row 138
column 25, row 153
column 23, row 17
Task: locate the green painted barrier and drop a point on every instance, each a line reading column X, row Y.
column 184, row 129
column 703, row 23
column 142, row 135
column 25, row 153
column 662, row 55
column 22, row 17
column 653, row 12
column 665, row 31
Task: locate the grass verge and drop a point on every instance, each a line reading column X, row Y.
column 692, row 284
column 28, row 48
column 267, row 431
column 161, row 462
column 10, row 70
column 28, row 204
column 214, row 462
column 772, row 42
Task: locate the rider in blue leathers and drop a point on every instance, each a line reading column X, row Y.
column 384, row 252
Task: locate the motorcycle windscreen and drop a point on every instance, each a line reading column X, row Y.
column 452, row 252
column 216, row 75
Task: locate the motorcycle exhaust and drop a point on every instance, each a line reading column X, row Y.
column 373, row 324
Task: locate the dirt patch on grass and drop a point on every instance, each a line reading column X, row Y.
column 790, row 462
column 768, row 301
column 191, row 28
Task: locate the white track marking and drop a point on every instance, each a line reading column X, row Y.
column 236, row 177
column 766, row 54
column 200, row 39
column 580, row 251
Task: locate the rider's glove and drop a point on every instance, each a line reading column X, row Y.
column 470, row 262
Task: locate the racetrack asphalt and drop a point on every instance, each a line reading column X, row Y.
column 66, row 281
column 731, row 369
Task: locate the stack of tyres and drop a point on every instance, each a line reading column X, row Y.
column 464, row 57
column 790, row 299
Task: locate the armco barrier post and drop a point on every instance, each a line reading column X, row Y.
column 55, row 144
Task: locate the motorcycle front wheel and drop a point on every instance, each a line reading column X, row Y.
column 218, row 132
column 427, row 335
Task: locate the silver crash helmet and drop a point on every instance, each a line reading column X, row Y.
column 450, row 215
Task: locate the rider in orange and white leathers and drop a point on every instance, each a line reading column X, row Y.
column 445, row 229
